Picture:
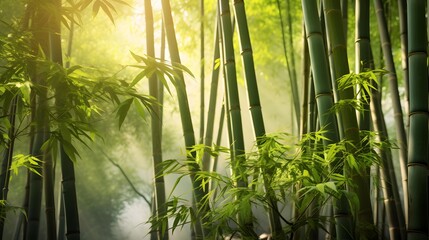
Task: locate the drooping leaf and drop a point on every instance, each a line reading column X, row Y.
column 123, row 109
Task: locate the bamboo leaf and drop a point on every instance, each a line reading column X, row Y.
column 96, row 8
column 138, row 58
column 84, row 4
column 140, row 109
column 123, row 109
column 108, row 4
column 331, row 185
column 107, row 11
column 321, row 187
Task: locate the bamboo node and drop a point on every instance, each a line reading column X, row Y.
column 417, row 53
column 418, row 112
column 313, row 33
column 229, row 60
column 324, row 94
column 417, row 164
column 246, row 50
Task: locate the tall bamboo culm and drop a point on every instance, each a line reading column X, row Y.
column 7, row 161
column 395, row 98
column 211, row 111
column 255, row 107
column 418, row 136
column 388, row 180
column 185, row 115
column 325, row 102
column 40, row 42
column 348, row 115
column 234, row 111
column 156, row 127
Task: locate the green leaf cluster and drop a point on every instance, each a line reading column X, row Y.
column 305, row 174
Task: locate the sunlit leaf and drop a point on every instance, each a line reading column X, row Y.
column 106, row 10
column 96, row 7
column 321, row 187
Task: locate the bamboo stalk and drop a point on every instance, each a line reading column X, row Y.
column 395, row 98
column 185, row 114
column 324, row 98
column 156, row 127
column 208, row 137
column 418, row 145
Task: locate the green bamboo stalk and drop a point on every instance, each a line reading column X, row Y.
column 202, row 73
column 403, row 31
column 345, row 16
column 153, row 209
column 312, row 107
column 48, row 167
column 388, row 180
column 418, row 144
column 49, row 196
column 348, row 116
column 218, row 142
column 7, row 161
column 21, row 223
column 61, row 218
column 208, row 137
column 219, row 136
column 331, row 64
column 41, row 39
column 156, row 127
column 238, row 161
column 402, row 13
column 188, row 130
column 294, row 80
column 324, row 98
column 36, row 181
column 306, row 81
column 394, row 93
column 67, row 165
column 249, row 68
column 363, row 60
column 291, row 66
column 255, row 107
column 70, row 197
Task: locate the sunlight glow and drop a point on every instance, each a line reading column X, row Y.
column 139, row 6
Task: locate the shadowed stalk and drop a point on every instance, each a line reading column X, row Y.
column 402, row 13
column 345, row 16
column 418, row 135
column 395, row 98
column 388, row 180
column 39, row 20
column 7, row 161
column 61, row 218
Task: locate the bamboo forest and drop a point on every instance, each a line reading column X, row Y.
column 227, row 119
